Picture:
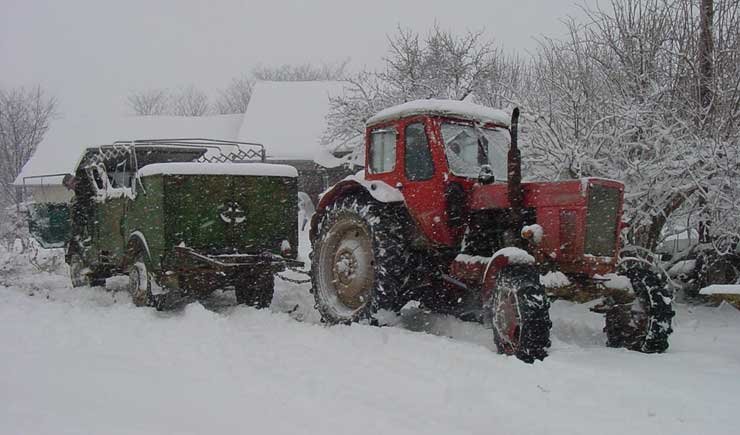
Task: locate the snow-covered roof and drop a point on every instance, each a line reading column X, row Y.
column 455, row 108
column 289, row 118
column 187, row 168
column 64, row 143
column 721, row 289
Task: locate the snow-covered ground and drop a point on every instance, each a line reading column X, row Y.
column 86, row 361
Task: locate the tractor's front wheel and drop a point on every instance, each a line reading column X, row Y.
column 357, row 260
column 645, row 324
column 520, row 314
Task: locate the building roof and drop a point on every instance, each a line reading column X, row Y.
column 289, row 118
column 63, row 145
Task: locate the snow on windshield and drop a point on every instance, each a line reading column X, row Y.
column 465, row 155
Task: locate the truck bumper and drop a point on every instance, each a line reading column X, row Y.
column 199, row 273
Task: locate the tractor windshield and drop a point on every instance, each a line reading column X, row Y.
column 468, row 147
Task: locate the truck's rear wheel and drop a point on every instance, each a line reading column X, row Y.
column 139, row 281
column 520, row 314
column 356, row 260
column 256, row 290
column 644, row 325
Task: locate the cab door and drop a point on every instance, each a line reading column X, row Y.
column 402, row 155
column 423, row 182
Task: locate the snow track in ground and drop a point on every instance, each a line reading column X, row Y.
column 87, row 361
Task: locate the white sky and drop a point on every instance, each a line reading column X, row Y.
column 91, row 54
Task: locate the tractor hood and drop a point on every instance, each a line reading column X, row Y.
column 571, row 193
column 580, row 219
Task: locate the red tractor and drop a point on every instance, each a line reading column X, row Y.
column 441, row 216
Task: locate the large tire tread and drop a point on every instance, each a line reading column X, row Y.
column 386, row 228
column 647, row 332
column 535, row 312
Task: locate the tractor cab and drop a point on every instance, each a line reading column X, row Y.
column 435, row 152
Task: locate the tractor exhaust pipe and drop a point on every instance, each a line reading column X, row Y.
column 514, row 169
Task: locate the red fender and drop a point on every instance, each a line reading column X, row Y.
column 489, row 277
column 329, row 197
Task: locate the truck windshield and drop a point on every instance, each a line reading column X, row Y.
column 468, row 147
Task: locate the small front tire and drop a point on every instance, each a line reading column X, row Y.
column 520, row 315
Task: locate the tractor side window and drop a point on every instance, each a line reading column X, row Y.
column 382, row 151
column 418, row 162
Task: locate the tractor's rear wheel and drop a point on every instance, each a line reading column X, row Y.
column 520, row 316
column 357, row 260
column 256, row 290
column 645, row 324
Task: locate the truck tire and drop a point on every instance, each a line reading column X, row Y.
column 644, row 325
column 139, row 281
column 357, row 260
column 520, row 314
column 256, row 290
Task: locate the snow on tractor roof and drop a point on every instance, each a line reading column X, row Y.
column 452, row 108
column 190, row 168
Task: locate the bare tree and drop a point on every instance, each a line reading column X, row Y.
column 189, row 101
column 440, row 64
column 301, row 72
column 150, row 102
column 24, row 119
column 235, row 98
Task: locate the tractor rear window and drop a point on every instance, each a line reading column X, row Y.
column 382, row 151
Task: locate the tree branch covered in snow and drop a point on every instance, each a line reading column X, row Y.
column 190, row 101
column 301, row 72
column 439, row 64
column 622, row 97
column 24, row 119
column 235, row 98
column 149, row 103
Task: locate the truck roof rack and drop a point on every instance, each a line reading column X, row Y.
column 241, row 151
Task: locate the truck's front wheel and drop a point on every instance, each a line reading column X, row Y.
column 78, row 272
column 356, row 260
column 139, row 281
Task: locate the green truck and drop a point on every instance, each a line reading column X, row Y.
column 181, row 218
